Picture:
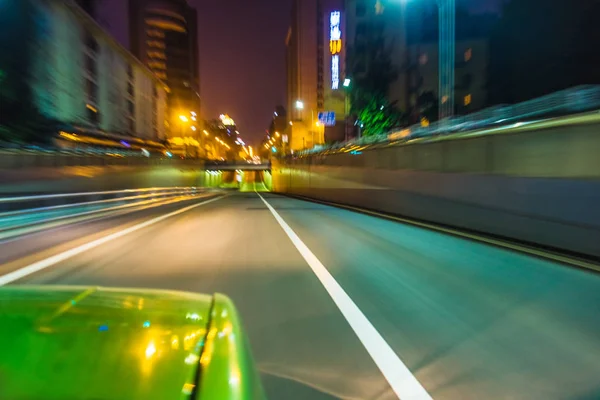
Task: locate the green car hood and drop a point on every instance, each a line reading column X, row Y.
column 72, row 343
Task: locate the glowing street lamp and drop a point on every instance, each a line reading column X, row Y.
column 277, row 134
column 194, row 128
column 183, row 118
column 299, row 105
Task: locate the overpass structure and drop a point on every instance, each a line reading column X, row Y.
column 233, row 166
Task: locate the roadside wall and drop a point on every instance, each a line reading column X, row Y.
column 540, row 186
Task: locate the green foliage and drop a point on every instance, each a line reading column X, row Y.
column 378, row 116
column 372, row 72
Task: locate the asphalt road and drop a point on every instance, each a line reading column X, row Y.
column 470, row 321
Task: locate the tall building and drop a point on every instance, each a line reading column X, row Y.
column 163, row 34
column 471, row 75
column 315, row 60
column 369, row 21
column 71, row 72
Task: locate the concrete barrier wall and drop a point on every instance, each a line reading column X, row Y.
column 84, row 179
column 39, row 173
column 539, row 186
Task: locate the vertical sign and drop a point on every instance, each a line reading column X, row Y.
column 335, row 47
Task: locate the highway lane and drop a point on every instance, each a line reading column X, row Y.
column 469, row 320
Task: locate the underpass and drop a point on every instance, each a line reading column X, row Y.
column 340, row 304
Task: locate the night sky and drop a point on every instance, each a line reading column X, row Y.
column 242, row 55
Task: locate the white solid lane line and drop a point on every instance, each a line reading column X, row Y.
column 50, row 261
column 402, row 381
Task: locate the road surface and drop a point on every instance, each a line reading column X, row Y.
column 468, row 320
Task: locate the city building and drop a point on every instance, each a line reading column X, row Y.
column 370, row 21
column 315, row 61
column 163, row 34
column 408, row 33
column 74, row 73
column 472, row 63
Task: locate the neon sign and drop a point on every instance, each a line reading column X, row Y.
column 335, row 47
column 335, row 72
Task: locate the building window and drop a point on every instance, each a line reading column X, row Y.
column 92, row 114
column 130, row 89
column 361, row 9
column 468, row 54
column 157, row 54
column 157, row 65
column 467, row 99
column 91, row 91
column 129, row 72
column 155, row 33
column 131, row 108
column 156, row 44
column 90, row 65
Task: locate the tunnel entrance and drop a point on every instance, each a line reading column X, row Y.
column 242, row 180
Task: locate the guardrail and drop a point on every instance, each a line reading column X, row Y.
column 33, row 212
column 560, row 104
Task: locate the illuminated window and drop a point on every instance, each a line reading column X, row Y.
column 468, row 54
column 155, row 43
column 423, row 58
column 157, row 54
column 155, row 33
column 467, row 99
column 157, row 65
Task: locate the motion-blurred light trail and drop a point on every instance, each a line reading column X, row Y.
column 50, row 261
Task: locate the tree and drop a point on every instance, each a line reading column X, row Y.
column 378, row 116
column 542, row 46
column 372, row 72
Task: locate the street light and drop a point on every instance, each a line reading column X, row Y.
column 347, row 82
column 183, row 118
column 194, row 128
column 300, row 106
column 205, row 132
column 277, row 134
